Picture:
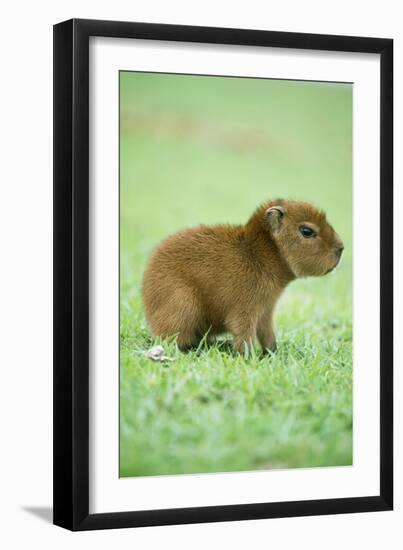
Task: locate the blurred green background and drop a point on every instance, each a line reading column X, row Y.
column 197, row 149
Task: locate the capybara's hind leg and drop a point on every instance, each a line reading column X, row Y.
column 180, row 316
column 186, row 340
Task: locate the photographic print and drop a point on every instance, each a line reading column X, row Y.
column 235, row 274
column 215, row 349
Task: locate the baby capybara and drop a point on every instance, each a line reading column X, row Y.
column 224, row 278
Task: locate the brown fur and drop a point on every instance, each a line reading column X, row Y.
column 222, row 278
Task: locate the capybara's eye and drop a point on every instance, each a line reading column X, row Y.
column 306, row 231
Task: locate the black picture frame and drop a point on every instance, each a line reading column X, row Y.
column 71, row 274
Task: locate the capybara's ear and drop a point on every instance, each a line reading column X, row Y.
column 275, row 215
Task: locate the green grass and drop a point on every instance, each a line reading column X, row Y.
column 209, row 150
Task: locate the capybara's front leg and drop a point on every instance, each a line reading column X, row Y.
column 243, row 329
column 265, row 332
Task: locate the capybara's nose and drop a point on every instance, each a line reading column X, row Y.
column 339, row 248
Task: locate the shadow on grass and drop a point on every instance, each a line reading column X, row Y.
column 225, row 345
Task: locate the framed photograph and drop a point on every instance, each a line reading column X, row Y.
column 223, row 241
